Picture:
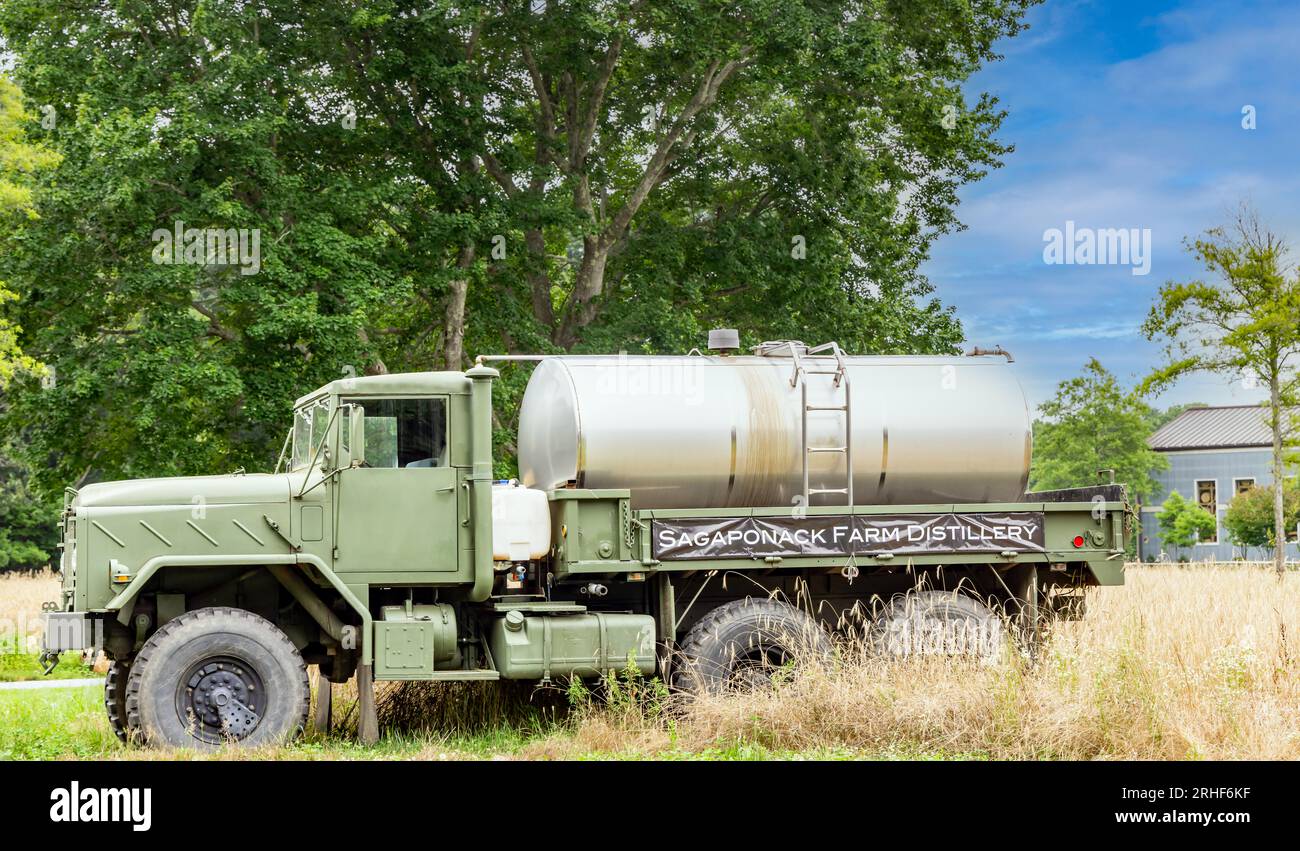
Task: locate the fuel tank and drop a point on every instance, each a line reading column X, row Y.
column 735, row 431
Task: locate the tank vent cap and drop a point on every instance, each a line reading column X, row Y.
column 724, row 339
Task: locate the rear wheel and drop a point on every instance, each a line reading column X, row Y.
column 745, row 643
column 938, row 623
column 214, row 676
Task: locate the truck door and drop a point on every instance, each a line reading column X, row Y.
column 397, row 512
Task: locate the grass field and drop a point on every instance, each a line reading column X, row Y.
column 1195, row 662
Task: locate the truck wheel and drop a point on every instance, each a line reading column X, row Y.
column 217, row 675
column 743, row 643
column 937, row 623
column 115, row 697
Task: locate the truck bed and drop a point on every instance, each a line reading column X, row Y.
column 598, row 532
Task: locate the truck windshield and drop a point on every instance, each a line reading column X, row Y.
column 309, row 424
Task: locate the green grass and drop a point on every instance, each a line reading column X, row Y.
column 69, row 723
column 57, row 723
column 15, row 667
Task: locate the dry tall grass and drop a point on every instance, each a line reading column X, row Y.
column 21, row 596
column 1181, row 662
column 1194, row 662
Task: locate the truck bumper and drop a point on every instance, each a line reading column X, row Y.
column 71, row 631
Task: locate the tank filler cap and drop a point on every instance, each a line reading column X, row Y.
column 725, row 340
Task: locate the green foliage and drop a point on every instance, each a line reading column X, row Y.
column 19, row 162
column 1183, row 523
column 1249, row 519
column 1092, row 424
column 627, row 693
column 1242, row 325
column 18, row 667
column 434, row 179
column 28, row 532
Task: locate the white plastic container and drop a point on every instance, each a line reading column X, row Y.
column 521, row 523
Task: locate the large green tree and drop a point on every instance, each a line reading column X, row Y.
column 1244, row 322
column 441, row 177
column 20, row 160
column 1093, row 424
column 27, row 523
column 191, row 116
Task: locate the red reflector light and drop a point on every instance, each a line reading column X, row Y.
column 1078, row 541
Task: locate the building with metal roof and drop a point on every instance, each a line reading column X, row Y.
column 1213, row 453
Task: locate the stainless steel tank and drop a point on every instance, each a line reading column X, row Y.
column 709, row 431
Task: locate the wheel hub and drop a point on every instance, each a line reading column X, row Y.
column 221, row 698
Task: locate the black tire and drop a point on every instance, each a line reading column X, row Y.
column 938, row 623
column 741, row 644
column 115, row 697
column 217, row 675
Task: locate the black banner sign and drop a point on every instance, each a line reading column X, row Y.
column 832, row 535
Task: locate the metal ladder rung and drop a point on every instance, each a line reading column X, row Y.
column 841, row 383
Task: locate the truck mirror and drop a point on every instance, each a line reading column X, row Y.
column 356, row 426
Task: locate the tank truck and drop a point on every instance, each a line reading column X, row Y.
column 706, row 518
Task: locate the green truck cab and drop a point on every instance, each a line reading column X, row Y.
column 380, row 548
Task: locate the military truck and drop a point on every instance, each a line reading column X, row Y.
column 705, row 517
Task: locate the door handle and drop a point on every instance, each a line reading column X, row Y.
column 465, row 501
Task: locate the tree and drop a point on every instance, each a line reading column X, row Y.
column 27, row 525
column 19, row 161
column 1092, row 424
column 1246, row 323
column 431, row 178
column 1183, row 523
column 660, row 168
column 28, row 531
column 189, row 117
column 1250, row 520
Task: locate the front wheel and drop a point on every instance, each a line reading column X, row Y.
column 216, row 676
column 115, row 697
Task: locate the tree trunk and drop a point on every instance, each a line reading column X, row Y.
column 539, row 281
column 1279, row 516
column 453, row 323
column 590, row 281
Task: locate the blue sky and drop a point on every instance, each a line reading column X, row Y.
column 1123, row 115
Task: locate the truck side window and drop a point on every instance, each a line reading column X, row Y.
column 405, row 432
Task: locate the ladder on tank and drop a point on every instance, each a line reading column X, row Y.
column 840, row 381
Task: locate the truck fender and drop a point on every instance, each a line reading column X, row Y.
column 124, row 603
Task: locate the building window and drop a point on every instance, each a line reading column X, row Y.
column 1242, row 485
column 1207, row 497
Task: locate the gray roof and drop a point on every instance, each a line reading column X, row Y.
column 1226, row 427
